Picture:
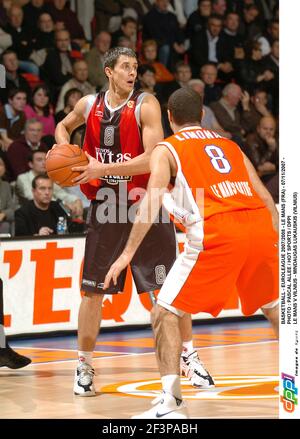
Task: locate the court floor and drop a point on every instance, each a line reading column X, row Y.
column 241, row 356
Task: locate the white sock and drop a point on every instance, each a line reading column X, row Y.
column 85, row 357
column 171, row 384
column 187, row 347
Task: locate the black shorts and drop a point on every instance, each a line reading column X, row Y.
column 105, row 242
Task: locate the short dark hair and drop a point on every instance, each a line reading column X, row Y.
column 180, row 64
column 14, row 91
column 112, row 55
column 35, row 151
column 215, row 17
column 7, row 52
column 128, row 19
column 185, row 105
column 39, row 177
column 143, row 68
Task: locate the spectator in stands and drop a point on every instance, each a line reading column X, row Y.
column 57, row 69
column 23, row 40
column 104, row 10
column 39, row 216
column 12, row 118
column 219, row 7
column 37, row 166
column 5, row 5
column 213, row 91
column 250, row 27
column 40, row 109
column 5, row 40
column 214, row 49
column 258, row 108
column 70, row 100
column 62, row 14
column 149, row 56
column 94, row 59
column 32, row 11
column 45, row 37
column 208, row 119
column 197, row 21
column 182, row 74
column 124, row 41
column 271, row 64
column 128, row 29
column 79, row 80
column 18, row 152
column 147, row 81
column 163, row 26
column 268, row 37
column 13, row 77
column 230, row 116
column 252, row 71
column 7, row 206
column 262, row 148
column 235, row 42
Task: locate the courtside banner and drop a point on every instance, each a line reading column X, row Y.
column 41, row 280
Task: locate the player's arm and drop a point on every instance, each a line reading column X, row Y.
column 72, row 121
column 152, row 133
column 162, row 167
column 262, row 192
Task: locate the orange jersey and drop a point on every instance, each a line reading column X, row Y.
column 211, row 175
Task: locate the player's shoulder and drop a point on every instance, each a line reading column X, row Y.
column 148, row 99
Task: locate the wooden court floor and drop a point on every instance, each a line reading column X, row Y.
column 242, row 358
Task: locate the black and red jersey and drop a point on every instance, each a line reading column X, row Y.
column 114, row 135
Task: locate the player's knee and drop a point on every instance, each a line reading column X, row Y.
column 93, row 297
column 271, row 310
column 158, row 314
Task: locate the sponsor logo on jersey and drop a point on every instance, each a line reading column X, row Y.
column 90, row 283
column 130, row 104
column 116, row 179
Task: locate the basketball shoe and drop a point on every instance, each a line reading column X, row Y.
column 165, row 406
column 194, row 370
column 11, row 358
column 83, row 381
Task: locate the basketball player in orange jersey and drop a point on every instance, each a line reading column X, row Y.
column 231, row 242
column 122, row 127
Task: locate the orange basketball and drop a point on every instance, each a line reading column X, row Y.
column 60, row 162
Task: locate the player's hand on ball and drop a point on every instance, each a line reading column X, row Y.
column 117, row 267
column 89, row 172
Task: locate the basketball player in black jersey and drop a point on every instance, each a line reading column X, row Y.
column 116, row 160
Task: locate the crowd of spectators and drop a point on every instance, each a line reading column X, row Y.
column 227, row 50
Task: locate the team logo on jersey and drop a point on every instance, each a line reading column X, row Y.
column 99, row 113
column 130, row 104
column 238, row 387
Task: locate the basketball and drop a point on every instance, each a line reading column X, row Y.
column 61, row 160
